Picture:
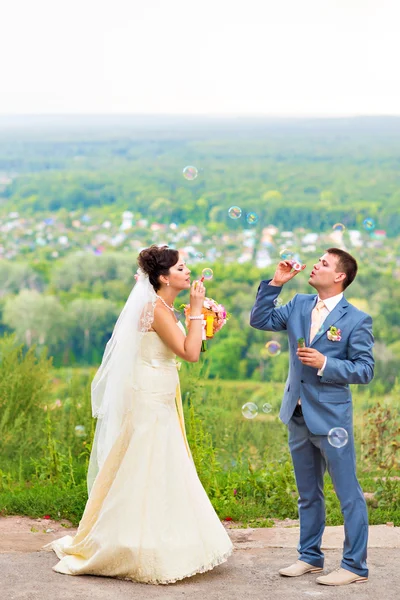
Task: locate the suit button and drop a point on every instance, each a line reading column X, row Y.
column 302, row 381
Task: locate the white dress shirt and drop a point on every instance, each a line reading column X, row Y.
column 329, row 305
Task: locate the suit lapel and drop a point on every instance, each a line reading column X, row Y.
column 336, row 314
column 306, row 317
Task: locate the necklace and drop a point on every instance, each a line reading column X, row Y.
column 171, row 308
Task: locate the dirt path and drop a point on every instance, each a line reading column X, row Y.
column 26, row 574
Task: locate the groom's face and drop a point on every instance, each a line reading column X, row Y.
column 324, row 274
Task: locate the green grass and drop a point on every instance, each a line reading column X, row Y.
column 243, row 464
column 39, row 500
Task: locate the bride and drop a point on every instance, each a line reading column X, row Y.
column 147, row 518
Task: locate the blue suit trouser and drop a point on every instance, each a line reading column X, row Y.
column 311, row 455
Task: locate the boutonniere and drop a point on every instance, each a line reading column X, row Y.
column 334, row 334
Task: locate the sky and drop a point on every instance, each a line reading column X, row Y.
column 214, row 57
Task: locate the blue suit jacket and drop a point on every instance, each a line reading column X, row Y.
column 326, row 400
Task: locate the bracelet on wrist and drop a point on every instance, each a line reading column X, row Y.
column 196, row 318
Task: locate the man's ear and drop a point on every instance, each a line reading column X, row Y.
column 340, row 277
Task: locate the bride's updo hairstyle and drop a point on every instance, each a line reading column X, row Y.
column 156, row 261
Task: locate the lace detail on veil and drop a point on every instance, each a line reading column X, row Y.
column 147, row 317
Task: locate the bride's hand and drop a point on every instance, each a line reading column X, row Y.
column 197, row 295
column 284, row 273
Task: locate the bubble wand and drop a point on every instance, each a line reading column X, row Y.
column 208, row 315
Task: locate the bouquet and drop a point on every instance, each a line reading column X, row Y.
column 214, row 318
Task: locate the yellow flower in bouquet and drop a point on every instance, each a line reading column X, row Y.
column 214, row 318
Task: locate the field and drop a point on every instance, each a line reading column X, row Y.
column 244, row 464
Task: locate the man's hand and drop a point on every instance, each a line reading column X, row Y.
column 284, row 273
column 311, row 357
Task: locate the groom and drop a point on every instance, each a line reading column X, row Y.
column 317, row 398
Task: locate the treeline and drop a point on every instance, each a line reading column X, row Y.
column 311, row 176
column 70, row 307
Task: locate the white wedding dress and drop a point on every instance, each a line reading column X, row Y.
column 148, row 518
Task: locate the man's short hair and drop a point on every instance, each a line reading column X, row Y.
column 346, row 264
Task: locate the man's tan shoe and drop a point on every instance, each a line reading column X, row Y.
column 299, row 568
column 341, row 577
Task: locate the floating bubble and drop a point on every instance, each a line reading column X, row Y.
column 339, row 227
column 338, row 437
column 207, row 274
column 252, row 218
column 235, row 212
column 278, row 302
column 286, row 254
column 80, row 431
column 273, row 348
column 369, row 224
column 266, row 408
column 249, row 410
column 199, row 255
column 190, row 172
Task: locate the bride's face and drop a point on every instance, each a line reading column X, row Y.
column 179, row 275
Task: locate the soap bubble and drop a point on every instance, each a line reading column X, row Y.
column 199, row 255
column 273, row 348
column 252, row 218
column 249, row 410
column 338, row 437
column 339, row 227
column 369, row 224
column 266, row 408
column 208, row 274
column 278, row 302
column 235, row 212
column 80, row 431
column 190, row 173
column 286, row 254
